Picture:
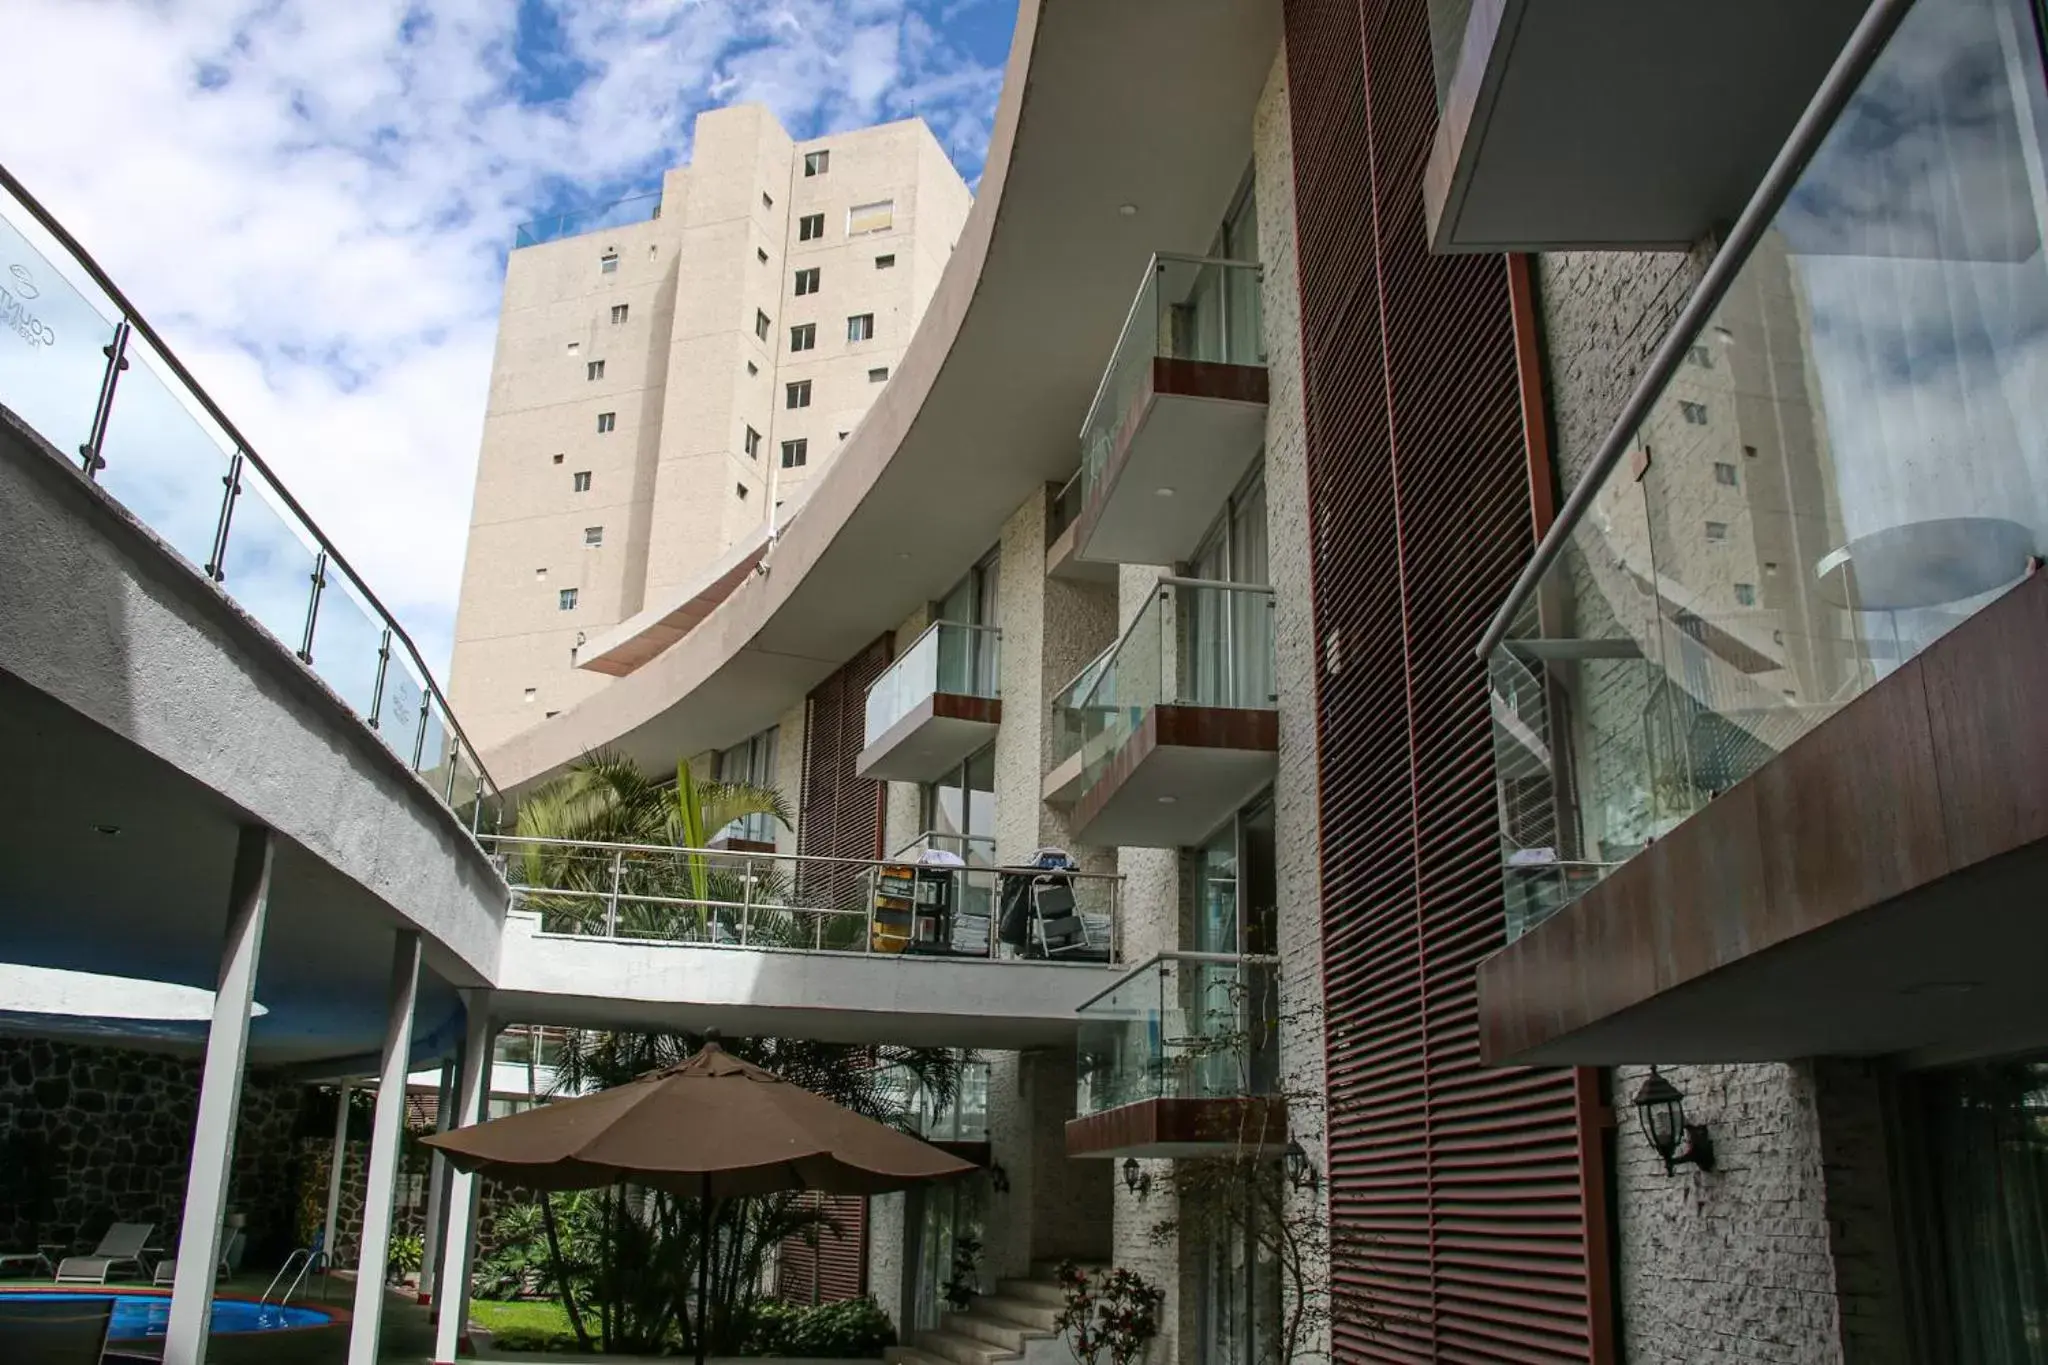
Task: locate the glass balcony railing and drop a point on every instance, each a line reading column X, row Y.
column 1195, row 642
column 1845, row 461
column 1181, row 1026
column 1070, row 719
column 949, row 657
column 640, row 208
column 1188, row 308
column 82, row 368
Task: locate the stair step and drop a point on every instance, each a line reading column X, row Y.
column 961, row 1350
column 996, row 1330
column 1036, row 1314
column 1033, row 1291
column 910, row 1355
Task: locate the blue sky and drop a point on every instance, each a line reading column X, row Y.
column 312, row 199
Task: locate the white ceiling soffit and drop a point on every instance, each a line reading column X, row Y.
column 1146, row 103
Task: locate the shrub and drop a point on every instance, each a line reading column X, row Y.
column 406, row 1254
column 853, row 1329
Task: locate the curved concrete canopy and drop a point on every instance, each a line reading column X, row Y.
column 1105, row 104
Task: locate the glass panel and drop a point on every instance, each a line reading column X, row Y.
column 347, row 637
column 1186, row 309
column 165, row 461
column 1069, row 717
column 51, row 340
column 1847, row 463
column 948, row 657
column 434, row 754
column 398, row 716
column 1216, row 893
column 268, row 566
column 1224, row 650
column 1131, row 683
column 1181, row 1027
column 1987, row 1149
column 638, row 209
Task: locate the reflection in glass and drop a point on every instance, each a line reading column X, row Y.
column 166, row 462
column 51, row 346
column 346, row 639
column 267, row 566
column 1851, row 459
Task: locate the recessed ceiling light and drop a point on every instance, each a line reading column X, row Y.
column 903, row 554
column 109, row 830
column 1162, row 492
column 1168, row 800
column 1127, row 210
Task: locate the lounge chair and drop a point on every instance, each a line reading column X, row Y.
column 55, row 1329
column 120, row 1249
column 34, row 1260
column 166, row 1272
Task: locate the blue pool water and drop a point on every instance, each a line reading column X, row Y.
column 139, row 1314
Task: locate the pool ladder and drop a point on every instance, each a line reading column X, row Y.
column 304, row 1259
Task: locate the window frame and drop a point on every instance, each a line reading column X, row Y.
column 796, row 394
column 864, row 324
column 796, row 453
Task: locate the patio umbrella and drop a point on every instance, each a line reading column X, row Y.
column 713, row 1127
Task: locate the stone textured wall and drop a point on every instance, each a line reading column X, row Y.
column 1294, row 786
column 888, row 1249
column 97, row 1135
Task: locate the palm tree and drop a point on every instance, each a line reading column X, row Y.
column 643, row 890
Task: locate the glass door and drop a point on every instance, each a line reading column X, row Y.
column 940, row 1217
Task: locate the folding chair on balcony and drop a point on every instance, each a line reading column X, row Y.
column 1057, row 928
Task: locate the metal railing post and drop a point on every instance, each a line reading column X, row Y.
column 611, row 905
column 476, row 811
column 448, row 783
column 383, row 667
column 116, row 352
column 746, row 898
column 231, row 489
column 319, row 578
column 419, row 741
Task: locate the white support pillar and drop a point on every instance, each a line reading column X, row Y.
column 220, row 1101
column 374, row 1253
column 437, row 1168
column 472, row 1089
column 332, row 1227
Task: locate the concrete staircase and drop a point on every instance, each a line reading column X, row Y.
column 1012, row 1326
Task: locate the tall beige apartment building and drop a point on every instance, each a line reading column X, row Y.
column 662, row 386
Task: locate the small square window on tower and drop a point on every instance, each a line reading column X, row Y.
column 565, row 600
column 618, row 313
column 803, row 336
column 607, row 421
column 753, row 443
column 593, row 535
column 807, row 281
column 761, row 324
column 797, row 395
column 810, row 227
column 887, row 262
column 860, row 327
column 608, row 263
column 593, row 369
column 817, row 163
column 582, row 481
column 795, row 454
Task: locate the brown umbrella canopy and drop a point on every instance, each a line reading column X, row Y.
column 713, row 1125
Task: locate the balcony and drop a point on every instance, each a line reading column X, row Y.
column 1062, row 530
column 1179, row 416
column 935, row 706
column 1619, row 124
column 1181, row 1058
column 1063, row 784
column 1757, row 722
column 1177, row 728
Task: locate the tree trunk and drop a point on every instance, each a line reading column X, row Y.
column 547, row 1221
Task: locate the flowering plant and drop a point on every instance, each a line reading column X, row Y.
column 1107, row 1312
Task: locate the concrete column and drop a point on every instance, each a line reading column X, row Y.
column 332, row 1227
column 430, row 1239
column 220, row 1100
column 472, row 1089
column 385, row 1130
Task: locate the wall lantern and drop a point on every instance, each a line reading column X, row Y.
column 1301, row 1172
column 1136, row 1181
column 1660, row 1108
column 998, row 1178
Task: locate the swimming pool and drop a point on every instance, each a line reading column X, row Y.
column 143, row 1313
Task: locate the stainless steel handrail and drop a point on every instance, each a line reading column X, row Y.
column 1826, row 106
column 247, row 450
column 1179, row 955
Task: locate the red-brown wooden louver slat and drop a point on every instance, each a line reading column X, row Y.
column 1456, row 1191
column 837, row 1267
column 839, row 815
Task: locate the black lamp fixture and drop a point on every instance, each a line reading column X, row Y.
column 1136, row 1181
column 1301, row 1172
column 998, row 1178
column 1660, row 1108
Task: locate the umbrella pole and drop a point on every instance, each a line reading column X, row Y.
column 704, row 1270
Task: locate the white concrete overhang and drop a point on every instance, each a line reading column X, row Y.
column 1146, row 104
column 831, row 997
column 936, row 734
column 1620, row 124
column 645, row 634
column 1182, row 446
column 1180, row 774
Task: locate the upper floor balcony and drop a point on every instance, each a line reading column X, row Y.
column 935, row 705
column 1179, row 416
column 1768, row 670
column 1062, row 534
column 1176, row 728
column 1181, row 1058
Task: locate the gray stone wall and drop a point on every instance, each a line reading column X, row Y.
column 1294, row 786
column 98, row 1135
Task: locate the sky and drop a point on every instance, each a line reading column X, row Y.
column 312, row 199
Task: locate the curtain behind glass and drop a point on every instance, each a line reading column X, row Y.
column 1987, row 1131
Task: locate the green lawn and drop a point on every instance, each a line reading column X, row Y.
column 528, row 1323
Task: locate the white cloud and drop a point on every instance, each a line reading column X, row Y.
column 311, row 199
